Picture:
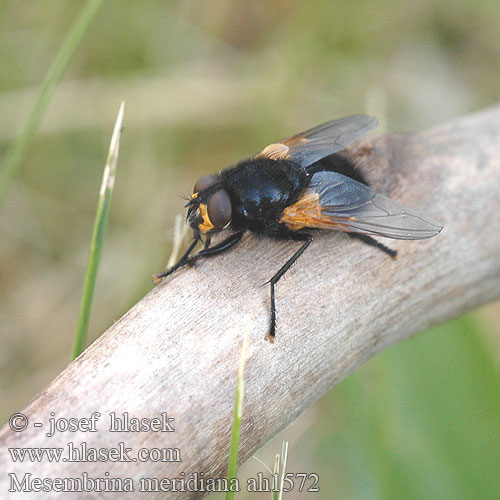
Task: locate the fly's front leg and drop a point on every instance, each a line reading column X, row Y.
column 220, row 247
column 208, row 240
column 181, row 262
column 206, row 252
column 308, row 239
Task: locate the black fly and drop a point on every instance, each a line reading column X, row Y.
column 293, row 186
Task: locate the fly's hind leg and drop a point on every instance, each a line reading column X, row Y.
column 299, row 236
column 373, row 242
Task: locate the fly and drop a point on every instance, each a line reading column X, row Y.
column 292, row 187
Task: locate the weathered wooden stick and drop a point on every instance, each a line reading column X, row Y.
column 177, row 350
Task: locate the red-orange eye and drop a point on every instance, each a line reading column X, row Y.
column 205, row 182
column 219, row 209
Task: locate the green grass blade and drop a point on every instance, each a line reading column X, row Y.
column 101, row 217
column 238, row 410
column 54, row 75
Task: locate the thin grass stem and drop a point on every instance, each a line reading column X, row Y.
column 238, row 410
column 284, row 455
column 100, row 222
column 54, row 75
column 180, row 231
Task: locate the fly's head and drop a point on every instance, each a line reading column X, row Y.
column 209, row 209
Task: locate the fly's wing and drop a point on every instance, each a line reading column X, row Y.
column 336, row 202
column 314, row 144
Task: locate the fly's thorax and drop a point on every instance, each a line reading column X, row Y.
column 261, row 189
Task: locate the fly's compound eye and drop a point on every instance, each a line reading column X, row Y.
column 204, row 183
column 219, row 209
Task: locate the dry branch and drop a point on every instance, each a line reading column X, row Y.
column 177, row 350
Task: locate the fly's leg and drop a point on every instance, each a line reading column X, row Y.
column 220, row 247
column 308, row 239
column 373, row 242
column 206, row 252
column 181, row 262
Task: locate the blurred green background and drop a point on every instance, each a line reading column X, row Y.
column 206, row 83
